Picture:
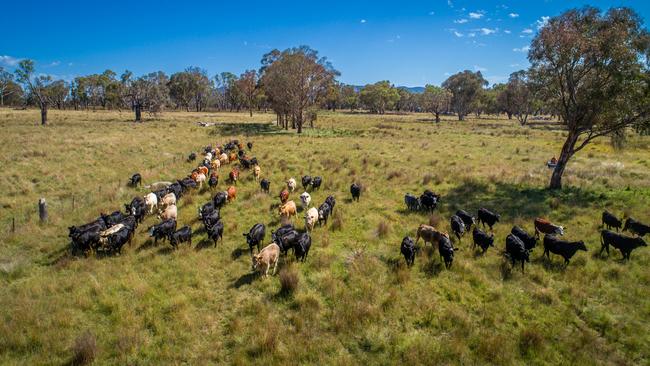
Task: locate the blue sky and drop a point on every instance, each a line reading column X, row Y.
column 410, row 43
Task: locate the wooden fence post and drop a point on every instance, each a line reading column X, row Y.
column 13, row 224
column 42, row 210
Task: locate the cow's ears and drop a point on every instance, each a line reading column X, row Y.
column 245, row 234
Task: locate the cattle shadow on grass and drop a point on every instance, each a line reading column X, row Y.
column 245, row 279
column 204, row 244
column 148, row 244
column 515, row 201
column 238, row 252
column 247, row 129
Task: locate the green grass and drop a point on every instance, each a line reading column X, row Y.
column 353, row 301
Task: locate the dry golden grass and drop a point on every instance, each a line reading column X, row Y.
column 353, row 301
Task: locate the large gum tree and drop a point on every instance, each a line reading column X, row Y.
column 594, row 67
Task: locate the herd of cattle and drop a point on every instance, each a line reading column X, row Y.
column 109, row 233
column 519, row 243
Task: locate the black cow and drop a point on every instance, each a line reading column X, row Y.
column 249, row 145
column 488, row 217
column 412, row 202
column 623, row 243
column 131, row 223
column 446, row 251
column 213, row 180
column 611, row 221
column 160, row 193
column 113, row 218
column 516, row 250
column 482, row 239
column 457, row 226
column 255, row 237
column 324, row 212
column 175, row 188
column 211, row 218
column 301, row 247
column 636, row 227
column 306, row 181
column 85, row 241
column 408, row 250
column 136, row 208
column 265, row 185
column 220, row 199
column 285, row 237
column 163, row 230
column 182, row 235
column 117, row 240
column 97, row 225
column 316, row 182
column 429, row 200
column 530, row 241
column 206, row 209
column 136, row 179
column 330, row 200
column 191, row 157
column 215, row 232
column 355, row 190
column 187, row 183
column 562, row 247
column 468, row 219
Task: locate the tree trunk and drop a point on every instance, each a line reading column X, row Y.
column 250, row 111
column 43, row 114
column 461, row 117
column 437, row 117
column 2, row 99
column 299, row 121
column 509, row 115
column 565, row 155
column 138, row 112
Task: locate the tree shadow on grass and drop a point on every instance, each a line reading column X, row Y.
column 512, row 201
column 247, row 129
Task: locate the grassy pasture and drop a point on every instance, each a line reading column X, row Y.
column 354, row 302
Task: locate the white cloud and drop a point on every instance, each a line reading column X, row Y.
column 542, row 21
column 479, row 68
column 507, row 31
column 363, row 21
column 488, row 31
column 527, row 31
column 513, row 15
column 55, row 63
column 432, row 13
column 471, row 35
column 70, row 64
column 460, row 21
column 514, row 65
column 450, row 3
column 9, row 60
column 476, row 15
column 458, row 34
column 447, row 74
column 523, row 49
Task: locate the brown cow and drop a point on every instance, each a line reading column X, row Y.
column 267, row 257
column 232, row 193
column 203, row 170
column 232, row 157
column 429, row 234
column 234, row 175
column 545, row 226
column 284, row 196
column 288, row 209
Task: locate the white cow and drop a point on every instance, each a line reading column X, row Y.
column 151, row 201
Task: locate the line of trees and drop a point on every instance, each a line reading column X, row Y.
column 589, row 68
